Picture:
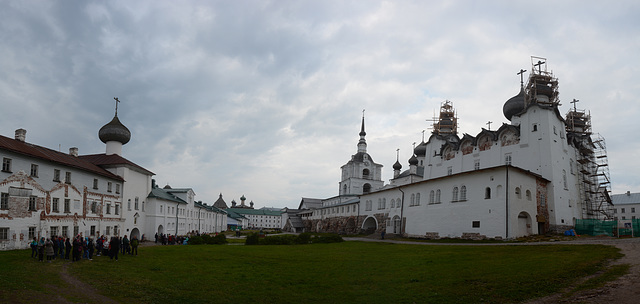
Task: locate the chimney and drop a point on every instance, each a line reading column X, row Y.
column 73, row 151
column 21, row 135
column 628, row 193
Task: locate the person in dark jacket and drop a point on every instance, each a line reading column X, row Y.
column 134, row 245
column 67, row 248
column 115, row 247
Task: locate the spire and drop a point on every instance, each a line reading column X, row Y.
column 362, row 143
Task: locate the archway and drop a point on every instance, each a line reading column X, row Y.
column 524, row 224
column 370, row 225
column 397, row 225
column 134, row 233
column 160, row 229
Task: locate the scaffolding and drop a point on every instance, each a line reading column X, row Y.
column 592, row 166
column 446, row 123
column 542, row 87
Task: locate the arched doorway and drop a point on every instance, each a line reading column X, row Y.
column 370, row 225
column 160, row 229
column 134, row 233
column 396, row 225
column 524, row 224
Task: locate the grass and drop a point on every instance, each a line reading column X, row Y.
column 349, row 272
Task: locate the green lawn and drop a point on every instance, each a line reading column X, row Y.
column 349, row 272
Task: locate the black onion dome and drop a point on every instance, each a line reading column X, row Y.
column 413, row 160
column 421, row 149
column 397, row 166
column 114, row 131
column 514, row 105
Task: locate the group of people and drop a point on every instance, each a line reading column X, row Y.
column 82, row 248
column 165, row 239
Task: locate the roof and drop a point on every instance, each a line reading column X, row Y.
column 60, row 158
column 310, row 203
column 220, row 203
column 232, row 214
column 625, row 199
column 164, row 195
column 296, row 222
column 244, row 211
column 104, row 160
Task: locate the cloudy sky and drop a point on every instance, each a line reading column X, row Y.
column 265, row 98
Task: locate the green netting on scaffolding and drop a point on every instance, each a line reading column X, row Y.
column 636, row 227
column 595, row 227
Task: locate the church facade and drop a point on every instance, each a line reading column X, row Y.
column 538, row 173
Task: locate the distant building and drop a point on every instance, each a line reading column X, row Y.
column 626, row 206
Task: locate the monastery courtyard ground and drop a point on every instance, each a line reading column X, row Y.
column 625, row 289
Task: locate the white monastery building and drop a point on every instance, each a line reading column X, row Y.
column 47, row 193
column 538, row 173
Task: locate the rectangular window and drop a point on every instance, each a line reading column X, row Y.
column 56, row 204
column 6, row 164
column 118, row 188
column 633, row 210
column 621, row 210
column 136, row 204
column 117, row 211
column 94, row 207
column 95, row 183
column 109, row 187
column 115, row 230
column 56, row 175
column 449, row 170
column 93, row 230
column 54, row 231
column 475, row 224
column 107, row 231
column 476, row 164
column 76, row 230
column 129, row 204
column 4, row 201
column 65, row 231
column 4, row 233
column 67, row 205
column 34, row 170
column 108, row 208
column 32, row 232
column 32, row 203
column 507, row 159
column 67, row 177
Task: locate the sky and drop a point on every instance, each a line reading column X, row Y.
column 265, row 98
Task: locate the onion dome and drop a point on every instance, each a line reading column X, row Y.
column 397, row 166
column 421, row 149
column 114, row 131
column 514, row 105
column 413, row 161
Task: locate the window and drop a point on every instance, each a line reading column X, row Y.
column 4, row 201
column 108, row 208
column 117, row 209
column 115, row 230
column 543, row 200
column 413, row 200
column 518, row 194
column 129, row 204
column 32, row 203
column 571, row 166
column 107, row 231
column 487, row 193
column 365, row 173
column 397, row 203
column 564, row 179
column 476, row 164
column 54, row 231
column 118, row 188
column 34, row 170
column 432, row 197
column 136, row 204
column 67, row 177
column 55, row 204
column 109, row 186
column 507, row 159
column 633, row 210
column 95, row 183
column 4, row 233
column 528, row 194
column 32, row 232
column 94, row 207
column 438, row 196
column 368, row 206
column 449, row 170
column 417, row 199
column 6, row 164
column 160, row 208
column 366, row 188
column 65, row 231
column 534, row 128
column 384, row 203
column 393, row 203
column 455, row 194
column 56, row 175
column 143, row 206
column 463, row 193
column 92, row 231
column 67, row 205
column 555, row 131
column 475, row 224
column 621, row 210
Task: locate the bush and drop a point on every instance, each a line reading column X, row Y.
column 219, row 239
column 252, row 239
column 327, row 238
column 287, row 239
column 303, row 238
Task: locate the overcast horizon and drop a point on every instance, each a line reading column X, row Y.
column 264, row 98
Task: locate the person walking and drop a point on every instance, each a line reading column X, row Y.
column 134, row 245
column 125, row 245
column 48, row 245
column 34, row 248
column 115, row 247
column 67, row 248
column 41, row 250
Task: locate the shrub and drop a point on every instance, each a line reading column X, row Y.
column 252, row 239
column 196, row 240
column 303, row 238
column 287, row 239
column 219, row 239
column 327, row 238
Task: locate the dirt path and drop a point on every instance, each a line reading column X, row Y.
column 79, row 290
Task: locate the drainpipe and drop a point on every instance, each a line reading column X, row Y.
column 507, row 201
column 401, row 212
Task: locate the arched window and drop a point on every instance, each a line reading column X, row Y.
column 487, row 193
column 455, row 194
column 366, row 188
column 571, row 166
column 365, row 173
column 528, row 194
column 417, row 199
column 413, row 200
column 438, row 196
column 463, row 193
column 518, row 194
column 393, row 203
column 431, row 197
column 397, row 202
column 384, row 203
column 344, row 189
